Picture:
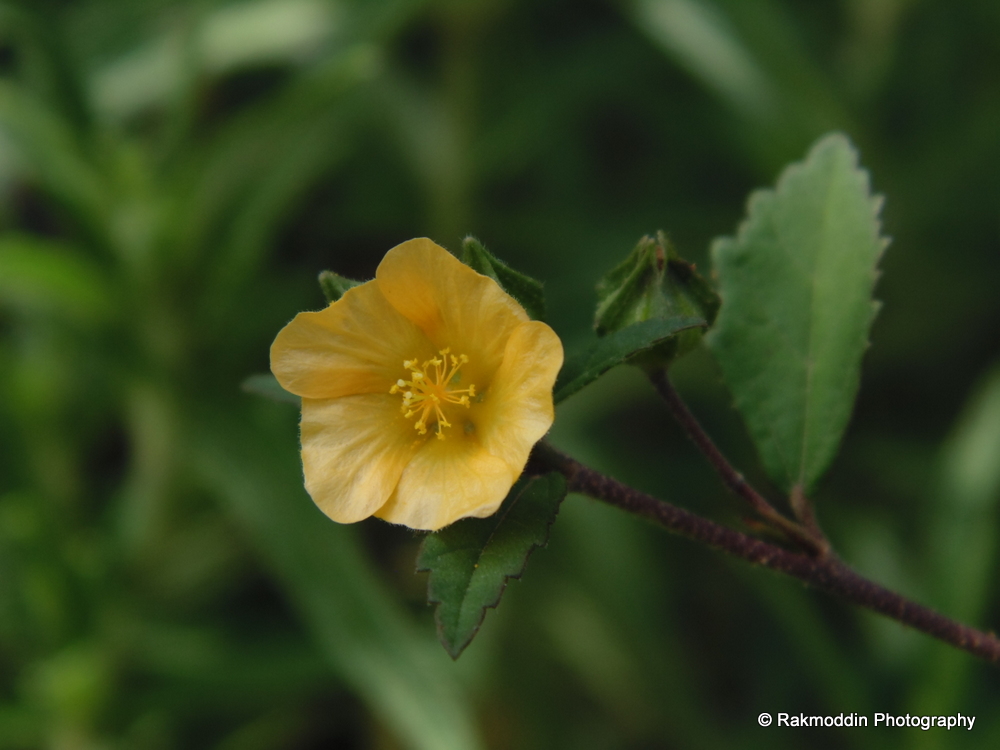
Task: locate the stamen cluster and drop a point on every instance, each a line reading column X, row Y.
column 429, row 389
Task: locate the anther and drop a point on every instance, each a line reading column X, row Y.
column 430, row 389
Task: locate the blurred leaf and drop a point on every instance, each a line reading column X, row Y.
column 587, row 636
column 587, row 366
column 44, row 61
column 264, row 31
column 73, row 685
column 44, row 275
column 471, row 561
column 302, row 154
column 229, row 38
column 211, row 666
column 50, row 152
column 265, row 384
column 523, row 288
column 366, row 637
column 334, row 285
column 812, row 638
column 279, row 727
column 755, row 60
column 962, row 551
column 21, row 727
column 624, row 567
column 970, row 469
column 698, row 35
column 231, row 196
column 796, row 287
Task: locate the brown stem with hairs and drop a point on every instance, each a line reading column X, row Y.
column 805, row 534
column 825, row 572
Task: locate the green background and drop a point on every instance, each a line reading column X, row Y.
column 173, row 175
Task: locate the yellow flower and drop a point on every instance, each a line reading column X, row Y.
column 423, row 391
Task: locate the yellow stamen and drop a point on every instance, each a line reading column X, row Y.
column 429, row 390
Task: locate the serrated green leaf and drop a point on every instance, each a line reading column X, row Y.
column 796, row 285
column 471, row 561
column 523, row 288
column 334, row 285
column 265, row 384
column 588, row 365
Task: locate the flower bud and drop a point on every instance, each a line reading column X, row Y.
column 655, row 282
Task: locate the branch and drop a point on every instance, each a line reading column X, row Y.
column 807, row 536
column 826, row 573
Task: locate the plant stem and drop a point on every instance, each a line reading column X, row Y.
column 809, row 537
column 803, row 510
column 827, row 572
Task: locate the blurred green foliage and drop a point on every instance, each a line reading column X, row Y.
column 173, row 175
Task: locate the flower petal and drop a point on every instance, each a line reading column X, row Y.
column 517, row 410
column 448, row 480
column 356, row 345
column 452, row 304
column 354, row 449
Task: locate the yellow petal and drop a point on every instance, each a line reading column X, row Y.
column 356, row 345
column 452, row 304
column 517, row 410
column 354, row 449
column 446, row 481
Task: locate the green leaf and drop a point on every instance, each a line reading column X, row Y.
column 265, row 384
column 334, row 285
column 471, row 560
column 587, row 366
column 524, row 289
column 796, row 285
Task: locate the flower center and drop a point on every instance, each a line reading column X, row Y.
column 429, row 389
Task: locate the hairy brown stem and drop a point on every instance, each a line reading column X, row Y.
column 807, row 536
column 827, row 572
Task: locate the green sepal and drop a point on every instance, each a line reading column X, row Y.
column 526, row 290
column 631, row 344
column 334, row 285
column 471, row 561
column 655, row 282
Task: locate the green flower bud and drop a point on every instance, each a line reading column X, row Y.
column 655, row 282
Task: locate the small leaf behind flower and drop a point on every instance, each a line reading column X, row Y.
column 523, row 288
column 334, row 285
column 266, row 385
column 615, row 348
column 471, row 560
